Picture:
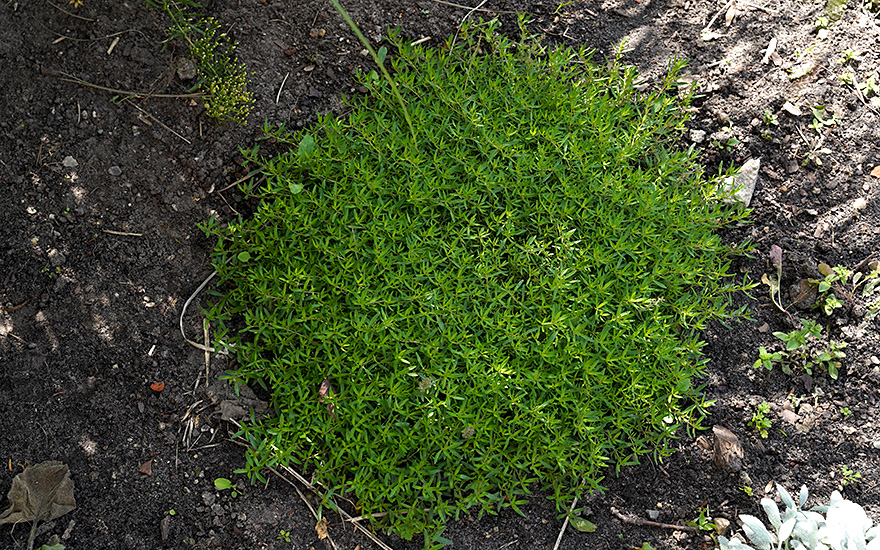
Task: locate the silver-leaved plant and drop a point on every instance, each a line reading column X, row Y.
column 845, row 526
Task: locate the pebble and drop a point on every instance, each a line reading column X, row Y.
column 114, row 171
column 791, row 166
column 69, row 162
column 653, row 514
column 698, row 136
column 876, row 444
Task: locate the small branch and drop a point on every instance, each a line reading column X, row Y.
column 124, row 234
column 647, row 523
column 81, row 82
column 717, row 15
column 565, row 523
column 59, row 8
column 162, row 124
column 487, row 10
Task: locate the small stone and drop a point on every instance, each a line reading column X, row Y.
column 764, row 328
column 56, row 258
column 875, row 360
column 698, row 136
column 876, row 444
column 69, row 162
column 722, row 526
column 791, row 166
column 114, row 171
column 187, row 70
column 743, row 183
column 654, row 515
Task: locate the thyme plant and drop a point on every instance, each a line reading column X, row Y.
column 512, row 303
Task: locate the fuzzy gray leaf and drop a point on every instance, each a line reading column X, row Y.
column 786, row 497
column 756, row 532
column 772, row 512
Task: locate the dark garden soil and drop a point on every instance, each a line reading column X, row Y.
column 99, row 250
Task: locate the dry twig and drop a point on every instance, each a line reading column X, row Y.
column 648, row 523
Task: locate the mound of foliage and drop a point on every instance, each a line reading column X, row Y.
column 508, row 302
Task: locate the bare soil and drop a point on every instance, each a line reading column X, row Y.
column 99, row 249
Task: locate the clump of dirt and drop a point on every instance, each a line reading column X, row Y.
column 99, row 249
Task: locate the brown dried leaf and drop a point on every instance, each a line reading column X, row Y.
column 321, row 528
column 42, row 492
column 876, row 171
column 825, row 269
column 326, row 391
column 731, row 13
column 147, row 468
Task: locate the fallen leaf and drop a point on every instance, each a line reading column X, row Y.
column 876, row 171
column 771, row 49
column 825, row 269
column 731, row 13
column 582, row 525
column 147, row 468
column 326, row 391
column 157, row 386
column 42, row 493
column 791, row 109
column 321, row 528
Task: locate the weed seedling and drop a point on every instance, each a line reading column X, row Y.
column 760, row 422
column 845, row 411
column 770, row 119
column 703, row 522
column 283, row 535
column 747, row 490
column 849, row 476
column 222, row 484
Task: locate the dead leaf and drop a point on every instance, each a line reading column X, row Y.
column 321, row 528
column 147, row 468
column 42, row 492
column 771, row 49
column 731, row 13
column 876, row 171
column 791, row 109
column 825, row 269
column 324, row 393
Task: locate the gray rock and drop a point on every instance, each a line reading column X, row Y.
column 187, row 70
column 743, row 183
column 698, row 136
column 114, row 171
column 69, row 162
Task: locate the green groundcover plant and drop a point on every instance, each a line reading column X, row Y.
column 511, row 303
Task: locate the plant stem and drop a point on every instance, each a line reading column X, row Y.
column 381, row 65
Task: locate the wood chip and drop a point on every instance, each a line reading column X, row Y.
column 728, row 450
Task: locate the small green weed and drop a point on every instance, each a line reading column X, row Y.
column 821, row 118
column 803, row 350
column 770, row 119
column 850, row 56
column 841, row 285
column 283, row 535
column 845, row 411
column 760, row 421
column 511, row 302
column 220, row 76
column 747, row 490
column 703, row 522
column 222, row 484
column 727, row 144
column 849, row 476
